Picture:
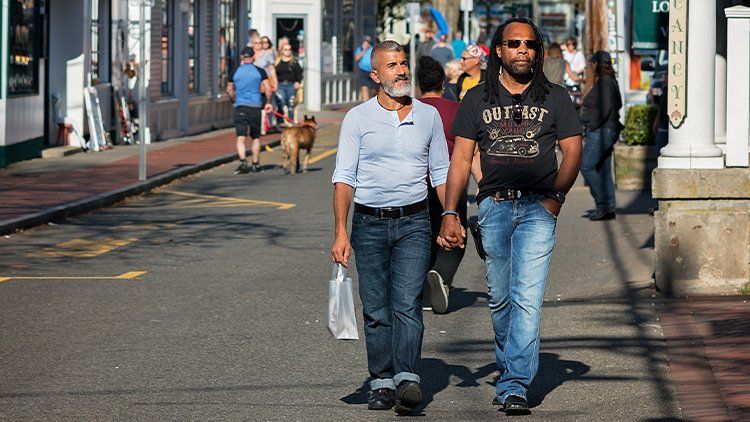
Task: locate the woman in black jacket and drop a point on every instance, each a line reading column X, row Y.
column 600, row 115
column 289, row 74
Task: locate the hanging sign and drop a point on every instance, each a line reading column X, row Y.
column 678, row 62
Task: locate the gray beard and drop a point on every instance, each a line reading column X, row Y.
column 395, row 92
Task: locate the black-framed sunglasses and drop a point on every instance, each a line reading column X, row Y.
column 517, row 107
column 532, row 44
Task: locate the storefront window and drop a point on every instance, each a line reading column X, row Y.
column 227, row 40
column 24, row 47
column 167, row 49
column 193, row 37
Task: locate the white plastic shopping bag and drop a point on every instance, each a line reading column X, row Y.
column 342, row 321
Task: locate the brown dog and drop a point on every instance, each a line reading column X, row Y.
column 296, row 138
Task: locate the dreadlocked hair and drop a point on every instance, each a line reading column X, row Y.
column 539, row 84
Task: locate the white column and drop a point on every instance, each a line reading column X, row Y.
column 692, row 144
column 738, row 104
column 313, row 41
column 720, row 110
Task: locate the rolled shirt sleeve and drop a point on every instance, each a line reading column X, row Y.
column 438, row 155
column 347, row 157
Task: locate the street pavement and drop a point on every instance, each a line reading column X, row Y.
column 206, row 299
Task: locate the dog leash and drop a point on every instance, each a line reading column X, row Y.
column 282, row 116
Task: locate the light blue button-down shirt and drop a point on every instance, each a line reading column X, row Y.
column 385, row 160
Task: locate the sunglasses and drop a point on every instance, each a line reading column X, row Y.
column 532, row 44
column 517, row 108
column 463, row 59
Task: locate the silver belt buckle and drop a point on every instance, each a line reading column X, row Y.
column 382, row 211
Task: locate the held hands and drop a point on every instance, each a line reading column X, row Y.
column 268, row 108
column 341, row 249
column 452, row 233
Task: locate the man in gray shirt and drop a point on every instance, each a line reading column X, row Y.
column 387, row 148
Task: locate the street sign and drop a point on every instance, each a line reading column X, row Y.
column 677, row 75
column 467, row 5
column 650, row 20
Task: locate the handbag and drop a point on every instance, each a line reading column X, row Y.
column 342, row 320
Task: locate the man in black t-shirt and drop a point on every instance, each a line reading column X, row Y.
column 516, row 117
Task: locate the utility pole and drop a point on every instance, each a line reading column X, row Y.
column 142, row 92
column 466, row 7
column 596, row 35
column 412, row 11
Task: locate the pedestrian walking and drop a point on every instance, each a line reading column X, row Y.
column 443, row 264
column 458, row 44
column 363, row 57
column 244, row 88
column 555, row 67
column 517, row 118
column 575, row 59
column 473, row 63
column 424, row 48
column 289, row 73
column 600, row 115
column 452, row 72
column 442, row 51
column 264, row 59
column 387, row 147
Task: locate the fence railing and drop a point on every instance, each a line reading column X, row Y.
column 339, row 89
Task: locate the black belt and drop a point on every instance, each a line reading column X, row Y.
column 391, row 212
column 511, row 194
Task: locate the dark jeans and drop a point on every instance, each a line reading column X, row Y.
column 392, row 257
column 445, row 262
column 596, row 166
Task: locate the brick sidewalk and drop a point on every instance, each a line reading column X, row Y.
column 36, row 191
column 31, row 192
column 708, row 341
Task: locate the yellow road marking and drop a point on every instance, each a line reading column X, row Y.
column 226, row 201
column 269, row 148
column 130, row 275
column 126, row 276
column 323, row 155
column 82, row 248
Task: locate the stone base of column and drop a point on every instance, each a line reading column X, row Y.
column 691, row 162
column 702, row 231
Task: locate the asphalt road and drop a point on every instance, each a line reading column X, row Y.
column 206, row 300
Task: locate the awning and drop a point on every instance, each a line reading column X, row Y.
column 440, row 21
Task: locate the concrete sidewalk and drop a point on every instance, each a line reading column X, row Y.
column 39, row 191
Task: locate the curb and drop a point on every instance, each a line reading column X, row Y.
column 105, row 199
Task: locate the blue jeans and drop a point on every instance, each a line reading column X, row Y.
column 286, row 96
column 596, row 166
column 518, row 237
column 392, row 259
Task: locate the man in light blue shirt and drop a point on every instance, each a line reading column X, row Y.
column 389, row 148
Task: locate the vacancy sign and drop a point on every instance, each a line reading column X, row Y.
column 678, row 49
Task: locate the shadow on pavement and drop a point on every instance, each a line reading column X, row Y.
column 553, row 372
column 464, row 298
column 360, row 395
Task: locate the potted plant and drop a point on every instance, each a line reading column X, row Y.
column 635, row 154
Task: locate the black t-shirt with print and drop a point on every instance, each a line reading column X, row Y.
column 516, row 154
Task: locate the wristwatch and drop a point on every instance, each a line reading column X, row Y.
column 556, row 195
